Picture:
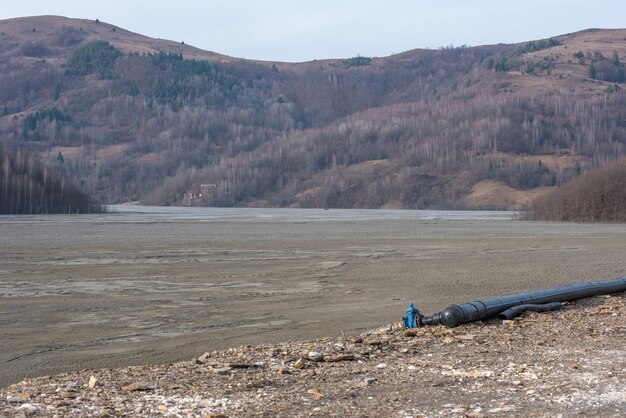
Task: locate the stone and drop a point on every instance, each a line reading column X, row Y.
column 373, row 341
column 299, row 364
column 340, row 357
column 139, row 387
column 411, row 332
column 221, row 370
column 14, row 399
column 28, row 408
column 315, row 356
column 241, row 365
column 315, row 393
column 368, row 381
column 204, row 358
column 93, row 382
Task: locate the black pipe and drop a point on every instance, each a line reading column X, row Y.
column 488, row 308
column 516, row 311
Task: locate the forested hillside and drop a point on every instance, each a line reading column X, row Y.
column 160, row 122
column 29, row 187
column 596, row 196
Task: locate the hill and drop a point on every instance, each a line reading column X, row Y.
column 596, row 196
column 161, row 122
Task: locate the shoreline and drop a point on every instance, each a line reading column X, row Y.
column 571, row 360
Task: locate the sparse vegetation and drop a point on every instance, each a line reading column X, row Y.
column 596, row 196
column 511, row 60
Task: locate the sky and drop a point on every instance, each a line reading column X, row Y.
column 302, row 30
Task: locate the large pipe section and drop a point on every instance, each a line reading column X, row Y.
column 488, row 308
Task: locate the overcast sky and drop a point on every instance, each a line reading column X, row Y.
column 292, row 30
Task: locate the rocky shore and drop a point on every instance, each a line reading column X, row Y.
column 569, row 362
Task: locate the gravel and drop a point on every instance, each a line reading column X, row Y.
column 570, row 362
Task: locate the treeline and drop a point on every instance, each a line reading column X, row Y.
column 596, row 196
column 29, row 187
column 512, row 59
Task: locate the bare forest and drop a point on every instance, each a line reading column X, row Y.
column 596, row 196
column 28, row 186
column 172, row 125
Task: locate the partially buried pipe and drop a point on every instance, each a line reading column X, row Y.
column 488, row 308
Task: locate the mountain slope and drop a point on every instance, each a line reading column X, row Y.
column 596, row 196
column 139, row 119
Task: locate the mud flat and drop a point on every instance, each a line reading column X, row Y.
column 146, row 286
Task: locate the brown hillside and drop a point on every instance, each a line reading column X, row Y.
column 151, row 120
column 596, row 196
column 59, row 35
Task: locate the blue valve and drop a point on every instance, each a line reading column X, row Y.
column 410, row 320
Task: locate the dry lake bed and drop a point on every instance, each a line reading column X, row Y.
column 143, row 285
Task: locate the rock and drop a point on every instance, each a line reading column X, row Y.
column 93, row 382
column 411, row 332
column 220, row 370
column 282, row 370
column 241, row 365
column 315, row 356
column 381, row 366
column 373, row 341
column 18, row 398
column 340, row 357
column 72, row 386
column 204, row 358
column 28, row 408
column 139, row 387
column 316, row 393
column 14, row 399
column 368, row 381
column 299, row 364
